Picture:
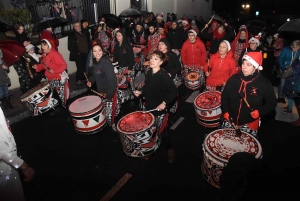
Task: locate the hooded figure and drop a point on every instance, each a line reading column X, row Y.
column 239, row 44
column 172, row 66
column 250, row 85
column 123, row 53
column 175, row 36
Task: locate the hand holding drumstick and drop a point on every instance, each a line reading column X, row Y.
column 88, row 83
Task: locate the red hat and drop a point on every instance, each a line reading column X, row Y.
column 185, row 21
column 256, row 39
column 255, row 58
column 49, row 42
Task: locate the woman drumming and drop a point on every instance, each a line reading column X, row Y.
column 250, row 85
column 106, row 81
column 159, row 91
column 220, row 67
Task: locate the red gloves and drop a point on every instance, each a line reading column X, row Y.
column 226, row 116
column 255, row 114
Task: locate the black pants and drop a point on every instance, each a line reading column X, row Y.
column 166, row 140
column 80, row 65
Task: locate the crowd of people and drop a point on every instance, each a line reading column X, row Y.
column 224, row 61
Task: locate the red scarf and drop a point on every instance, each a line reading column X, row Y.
column 217, row 35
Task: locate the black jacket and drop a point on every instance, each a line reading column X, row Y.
column 124, row 54
column 175, row 38
column 158, row 87
column 73, row 44
column 173, row 65
column 215, row 42
column 104, row 76
column 259, row 93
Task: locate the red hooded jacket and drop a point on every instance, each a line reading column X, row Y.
column 193, row 53
column 220, row 69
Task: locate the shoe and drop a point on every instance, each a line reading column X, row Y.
column 171, row 156
column 79, row 83
column 287, row 111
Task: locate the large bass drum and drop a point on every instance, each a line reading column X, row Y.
column 88, row 114
column 138, row 134
column 219, row 146
column 208, row 108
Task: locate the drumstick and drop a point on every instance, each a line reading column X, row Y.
column 102, row 95
column 242, row 96
column 85, row 77
column 209, row 22
column 150, row 110
column 237, row 130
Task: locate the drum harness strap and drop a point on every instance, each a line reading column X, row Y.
column 243, row 88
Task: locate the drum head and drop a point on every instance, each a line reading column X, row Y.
column 208, row 100
column 193, row 76
column 85, row 104
column 223, row 143
column 135, row 122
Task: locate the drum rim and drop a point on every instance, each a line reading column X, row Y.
column 101, row 102
column 258, row 155
column 131, row 133
column 206, row 108
column 43, row 84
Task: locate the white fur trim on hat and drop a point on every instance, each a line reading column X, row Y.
column 29, row 47
column 193, row 31
column 48, row 43
column 184, row 22
column 255, row 40
column 228, row 44
column 252, row 61
column 276, row 35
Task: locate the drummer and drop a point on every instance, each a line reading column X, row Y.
column 250, row 86
column 193, row 55
column 159, row 91
column 106, row 81
column 55, row 70
column 220, row 67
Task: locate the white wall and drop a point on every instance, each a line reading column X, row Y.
column 121, row 5
column 62, row 48
column 162, row 6
column 194, row 7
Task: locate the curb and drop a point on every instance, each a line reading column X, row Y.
column 25, row 114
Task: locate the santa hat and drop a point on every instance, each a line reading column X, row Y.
column 159, row 16
column 228, row 44
column 255, row 58
column 193, row 31
column 49, row 42
column 185, row 21
column 276, row 35
column 256, row 39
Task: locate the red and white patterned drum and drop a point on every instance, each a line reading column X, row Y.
column 219, row 146
column 88, row 114
column 138, row 134
column 192, row 80
column 122, row 82
column 39, row 99
column 208, row 108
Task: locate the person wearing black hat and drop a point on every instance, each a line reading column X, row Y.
column 172, row 66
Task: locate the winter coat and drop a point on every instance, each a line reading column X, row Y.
column 73, row 44
column 258, row 92
column 50, row 36
column 173, row 64
column 175, row 38
column 286, row 57
column 123, row 54
column 220, row 69
column 193, row 53
column 104, row 76
column 215, row 42
column 54, row 61
column 288, row 89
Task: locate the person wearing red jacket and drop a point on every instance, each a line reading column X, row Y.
column 220, row 67
column 49, row 35
column 55, row 70
column 193, row 56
